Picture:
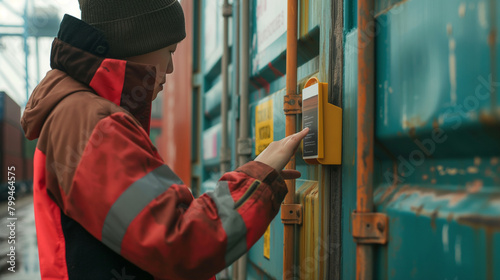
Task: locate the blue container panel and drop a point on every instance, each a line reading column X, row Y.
column 437, row 126
column 349, row 161
column 446, row 84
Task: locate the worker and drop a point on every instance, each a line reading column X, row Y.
column 106, row 205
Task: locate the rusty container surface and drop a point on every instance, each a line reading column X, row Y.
column 174, row 141
column 437, row 139
column 266, row 92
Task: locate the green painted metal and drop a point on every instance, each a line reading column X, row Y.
column 349, row 161
column 437, row 127
column 207, row 97
column 268, row 82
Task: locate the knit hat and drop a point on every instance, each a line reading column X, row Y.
column 135, row 27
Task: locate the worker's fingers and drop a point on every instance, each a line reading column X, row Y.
column 294, row 139
column 290, row 174
column 278, row 153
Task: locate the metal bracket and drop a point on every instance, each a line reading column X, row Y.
column 292, row 104
column 244, row 146
column 227, row 10
column 291, row 214
column 370, row 228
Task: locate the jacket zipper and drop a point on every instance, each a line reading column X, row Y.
column 250, row 191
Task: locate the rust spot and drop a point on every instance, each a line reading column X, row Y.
column 412, row 132
column 480, row 222
column 417, row 210
column 477, row 161
column 474, row 186
column 414, row 272
column 425, row 177
column 435, row 124
column 449, row 218
column 434, row 216
column 492, row 37
column 388, row 192
column 494, row 161
column 487, row 119
column 489, row 254
column 488, row 173
column 452, row 197
column 433, row 181
column 413, row 123
column 433, row 169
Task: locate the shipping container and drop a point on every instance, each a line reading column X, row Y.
column 416, row 195
column 9, row 110
column 11, row 137
column 12, row 148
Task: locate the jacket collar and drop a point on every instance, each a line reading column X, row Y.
column 80, row 51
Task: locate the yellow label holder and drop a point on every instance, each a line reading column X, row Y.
column 327, row 146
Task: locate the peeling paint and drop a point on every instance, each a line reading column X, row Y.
column 452, row 197
column 461, row 9
column 386, row 103
column 480, row 222
column 453, row 71
column 477, row 161
column 451, row 171
column 458, row 250
column 474, row 186
column 472, row 170
column 481, row 14
column 444, row 236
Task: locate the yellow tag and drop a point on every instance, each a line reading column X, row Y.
column 263, row 125
column 267, row 243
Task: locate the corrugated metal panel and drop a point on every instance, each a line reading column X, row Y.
column 268, row 54
column 438, row 123
column 349, row 161
column 437, row 129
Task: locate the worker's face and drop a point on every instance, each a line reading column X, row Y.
column 162, row 59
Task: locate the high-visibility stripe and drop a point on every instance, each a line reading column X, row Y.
column 232, row 222
column 132, row 201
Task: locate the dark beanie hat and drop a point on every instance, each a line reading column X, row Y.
column 135, row 27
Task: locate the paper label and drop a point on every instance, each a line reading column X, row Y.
column 263, row 125
column 310, row 116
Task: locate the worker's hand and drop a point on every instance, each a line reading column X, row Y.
column 278, row 153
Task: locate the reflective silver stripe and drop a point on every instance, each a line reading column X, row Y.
column 132, row 201
column 232, row 222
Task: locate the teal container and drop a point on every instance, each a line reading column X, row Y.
column 436, row 128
